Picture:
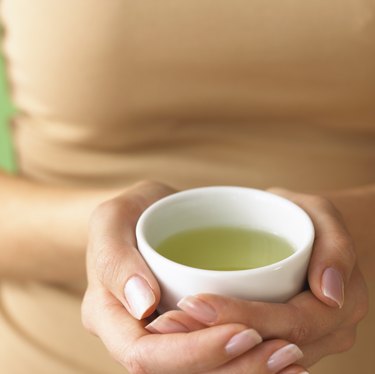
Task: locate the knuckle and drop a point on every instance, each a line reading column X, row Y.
column 105, row 209
column 132, row 361
column 344, row 245
column 118, row 354
column 318, row 201
column 345, row 343
column 299, row 333
column 87, row 323
column 341, row 241
column 106, row 267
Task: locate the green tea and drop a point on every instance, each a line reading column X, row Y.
column 225, row 248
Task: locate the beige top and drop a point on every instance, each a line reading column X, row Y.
column 189, row 93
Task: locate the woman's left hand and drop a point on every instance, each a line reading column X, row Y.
column 321, row 320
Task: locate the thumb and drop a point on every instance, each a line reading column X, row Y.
column 113, row 259
column 123, row 272
column 333, row 257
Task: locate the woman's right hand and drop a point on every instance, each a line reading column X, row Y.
column 122, row 291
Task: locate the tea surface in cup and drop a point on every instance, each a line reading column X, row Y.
column 225, row 248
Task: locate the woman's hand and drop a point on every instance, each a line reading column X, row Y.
column 322, row 320
column 122, row 291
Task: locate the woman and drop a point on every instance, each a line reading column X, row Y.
column 187, row 94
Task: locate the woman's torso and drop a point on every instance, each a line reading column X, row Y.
column 194, row 92
column 189, row 93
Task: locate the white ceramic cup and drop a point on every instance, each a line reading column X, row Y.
column 226, row 206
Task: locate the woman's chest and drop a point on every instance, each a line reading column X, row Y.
column 119, row 61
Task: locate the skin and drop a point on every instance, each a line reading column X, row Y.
column 112, row 258
column 55, row 256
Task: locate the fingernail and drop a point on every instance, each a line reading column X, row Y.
column 166, row 325
column 284, row 357
column 242, row 342
column 139, row 296
column 293, row 371
column 333, row 286
column 198, row 309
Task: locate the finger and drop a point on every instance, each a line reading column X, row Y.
column 113, row 254
column 198, row 351
column 210, row 349
column 338, row 342
column 333, row 257
column 174, row 321
column 266, row 358
column 119, row 267
column 303, row 319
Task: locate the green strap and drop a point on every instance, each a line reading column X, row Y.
column 7, row 161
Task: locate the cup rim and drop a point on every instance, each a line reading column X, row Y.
column 140, row 236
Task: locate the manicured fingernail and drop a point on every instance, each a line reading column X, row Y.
column 198, row 309
column 166, row 325
column 284, row 357
column 242, row 342
column 139, row 296
column 293, row 371
column 333, row 286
